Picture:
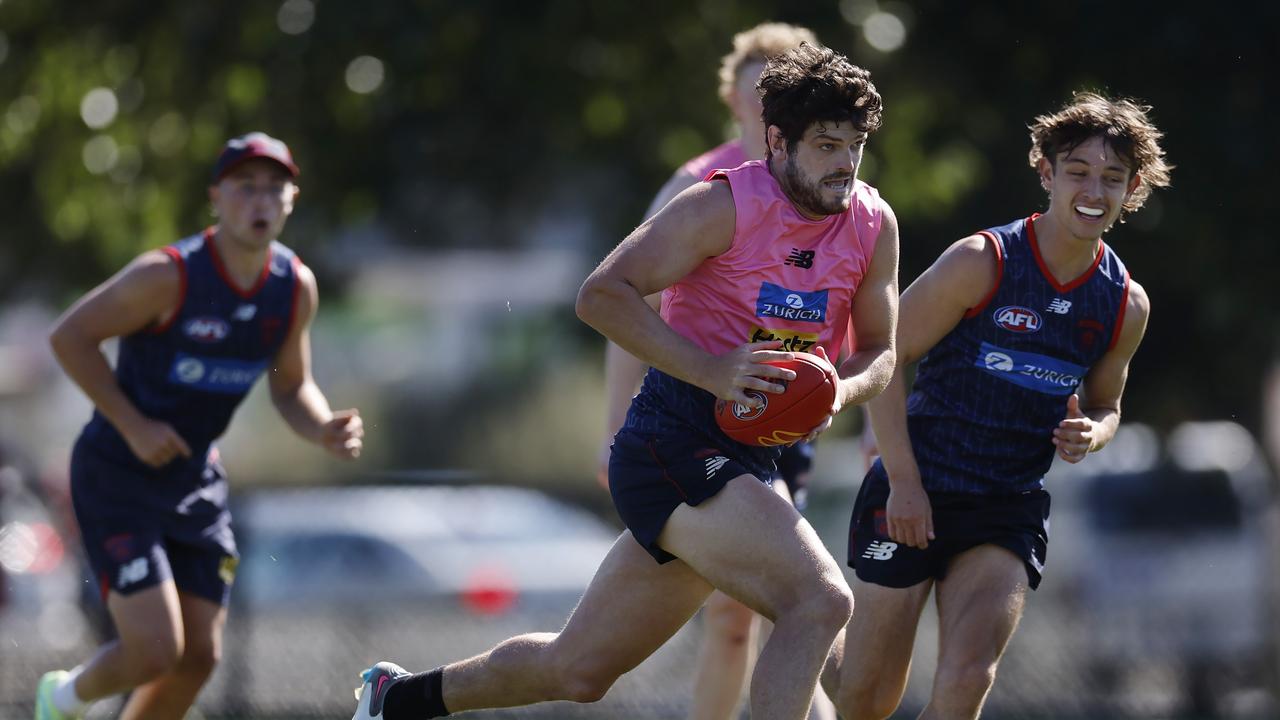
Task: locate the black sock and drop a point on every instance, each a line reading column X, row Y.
column 419, row 696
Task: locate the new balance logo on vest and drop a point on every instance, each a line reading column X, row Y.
column 802, row 259
column 880, row 550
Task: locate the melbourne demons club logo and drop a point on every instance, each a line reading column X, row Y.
column 1088, row 331
column 270, row 329
column 1016, row 318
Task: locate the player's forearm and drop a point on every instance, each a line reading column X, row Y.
column 1106, row 422
column 88, row 368
column 888, row 415
column 866, row 374
column 305, row 410
column 622, row 375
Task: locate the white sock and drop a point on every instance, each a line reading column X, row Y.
column 65, row 698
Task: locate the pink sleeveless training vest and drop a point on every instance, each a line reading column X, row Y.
column 784, row 277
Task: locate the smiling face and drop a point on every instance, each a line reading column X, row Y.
column 817, row 173
column 253, row 201
column 1087, row 186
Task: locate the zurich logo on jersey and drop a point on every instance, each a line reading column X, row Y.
column 217, row 375
column 1033, row 371
column 1016, row 318
column 206, row 329
column 779, row 302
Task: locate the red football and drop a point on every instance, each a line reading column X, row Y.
column 785, row 417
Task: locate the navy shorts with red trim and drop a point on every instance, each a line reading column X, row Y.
column 650, row 475
column 143, row 527
column 961, row 521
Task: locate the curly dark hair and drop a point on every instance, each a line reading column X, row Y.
column 811, row 83
column 1124, row 127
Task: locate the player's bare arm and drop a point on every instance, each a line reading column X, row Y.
column 865, row 373
column 1092, row 418
column 697, row 224
column 930, row 308
column 144, row 294
column 874, row 314
column 294, row 391
column 622, row 370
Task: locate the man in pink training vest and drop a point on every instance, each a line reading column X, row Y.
column 731, row 629
column 698, row 511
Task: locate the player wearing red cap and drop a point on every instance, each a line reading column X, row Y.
column 199, row 321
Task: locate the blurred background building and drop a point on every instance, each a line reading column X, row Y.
column 464, row 165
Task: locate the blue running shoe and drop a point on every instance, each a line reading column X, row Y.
column 373, row 693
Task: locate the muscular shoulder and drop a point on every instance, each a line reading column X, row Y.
column 967, row 270
column 1136, row 313
column 704, row 215
column 888, row 219
column 678, row 182
column 1139, row 303
column 153, row 273
column 308, row 290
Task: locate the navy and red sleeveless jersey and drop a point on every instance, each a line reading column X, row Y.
column 988, row 396
column 193, row 372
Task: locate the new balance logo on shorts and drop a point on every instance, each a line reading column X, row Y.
column 714, row 464
column 880, row 550
column 132, row 572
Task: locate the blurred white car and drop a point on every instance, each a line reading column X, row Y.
column 332, row 580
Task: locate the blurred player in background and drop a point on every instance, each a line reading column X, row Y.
column 199, row 322
column 699, row 514
column 731, row 628
column 1026, row 331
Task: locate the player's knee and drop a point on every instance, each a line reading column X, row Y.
column 728, row 620
column 827, row 607
column 154, row 657
column 199, row 659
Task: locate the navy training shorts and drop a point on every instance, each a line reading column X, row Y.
column 961, row 521
column 650, row 475
column 143, row 527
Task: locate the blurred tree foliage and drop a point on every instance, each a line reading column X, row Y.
column 495, row 124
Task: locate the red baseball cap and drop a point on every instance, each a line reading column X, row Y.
column 250, row 146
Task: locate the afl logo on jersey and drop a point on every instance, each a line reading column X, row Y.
column 206, row 329
column 1016, row 318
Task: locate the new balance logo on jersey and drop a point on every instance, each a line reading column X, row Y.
column 802, row 259
column 132, row 572
column 1060, row 306
column 245, row 312
column 880, row 550
column 714, row 464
